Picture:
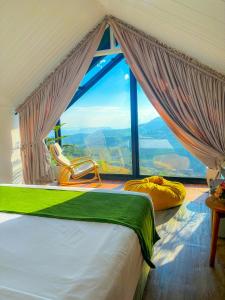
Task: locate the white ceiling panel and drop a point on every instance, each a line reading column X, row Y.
column 195, row 27
column 35, row 36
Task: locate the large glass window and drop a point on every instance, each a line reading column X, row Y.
column 100, row 63
column 98, row 124
column 160, row 152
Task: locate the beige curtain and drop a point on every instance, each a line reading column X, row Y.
column 43, row 107
column 190, row 97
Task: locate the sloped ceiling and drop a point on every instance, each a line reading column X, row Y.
column 35, row 35
column 195, row 27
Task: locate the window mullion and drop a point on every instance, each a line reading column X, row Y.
column 134, row 125
column 59, row 134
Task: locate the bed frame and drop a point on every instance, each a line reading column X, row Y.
column 142, row 282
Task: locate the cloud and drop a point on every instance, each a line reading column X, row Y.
column 126, row 76
column 147, row 114
column 114, row 116
column 97, row 116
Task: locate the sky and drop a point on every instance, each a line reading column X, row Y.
column 107, row 104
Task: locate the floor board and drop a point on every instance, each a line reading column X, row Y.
column 182, row 254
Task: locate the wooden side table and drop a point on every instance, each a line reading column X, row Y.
column 218, row 212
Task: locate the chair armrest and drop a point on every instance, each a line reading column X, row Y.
column 74, row 160
column 77, row 163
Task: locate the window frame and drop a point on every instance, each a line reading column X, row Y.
column 133, row 114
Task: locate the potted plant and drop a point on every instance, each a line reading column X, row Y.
column 56, row 131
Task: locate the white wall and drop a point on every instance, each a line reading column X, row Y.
column 16, row 163
column 10, row 161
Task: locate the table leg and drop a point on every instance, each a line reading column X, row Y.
column 215, row 229
column 211, row 223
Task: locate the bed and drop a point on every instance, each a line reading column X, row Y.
column 50, row 258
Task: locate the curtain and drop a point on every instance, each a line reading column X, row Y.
column 190, row 97
column 42, row 109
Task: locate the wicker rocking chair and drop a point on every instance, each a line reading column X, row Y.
column 74, row 169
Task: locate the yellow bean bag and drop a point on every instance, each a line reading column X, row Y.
column 164, row 193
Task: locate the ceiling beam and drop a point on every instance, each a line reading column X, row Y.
column 91, row 82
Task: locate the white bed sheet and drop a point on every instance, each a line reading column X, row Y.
column 44, row 258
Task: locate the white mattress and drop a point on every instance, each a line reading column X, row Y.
column 44, row 258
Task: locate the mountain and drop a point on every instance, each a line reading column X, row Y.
column 114, row 139
column 155, row 129
column 87, row 130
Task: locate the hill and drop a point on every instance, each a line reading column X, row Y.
column 155, row 129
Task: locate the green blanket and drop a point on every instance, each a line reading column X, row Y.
column 133, row 211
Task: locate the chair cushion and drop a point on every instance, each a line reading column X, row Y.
column 164, row 193
column 84, row 168
column 57, row 154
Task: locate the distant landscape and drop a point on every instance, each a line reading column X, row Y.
column 160, row 152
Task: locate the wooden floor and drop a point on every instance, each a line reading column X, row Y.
column 182, row 254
